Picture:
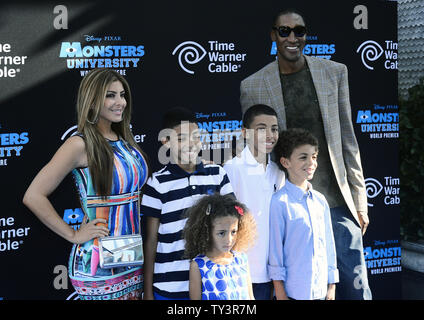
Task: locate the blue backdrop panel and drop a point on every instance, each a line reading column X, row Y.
column 177, row 54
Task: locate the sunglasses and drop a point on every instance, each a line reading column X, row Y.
column 284, row 31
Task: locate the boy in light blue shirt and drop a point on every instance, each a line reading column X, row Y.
column 302, row 255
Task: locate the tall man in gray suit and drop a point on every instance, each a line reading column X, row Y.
column 313, row 94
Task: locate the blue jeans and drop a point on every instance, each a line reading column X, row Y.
column 262, row 291
column 159, row 297
column 353, row 284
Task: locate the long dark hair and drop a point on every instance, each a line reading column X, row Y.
column 91, row 97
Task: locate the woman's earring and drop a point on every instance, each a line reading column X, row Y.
column 92, row 122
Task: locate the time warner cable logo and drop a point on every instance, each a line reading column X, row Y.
column 371, row 51
column 390, row 190
column 221, row 56
column 191, row 52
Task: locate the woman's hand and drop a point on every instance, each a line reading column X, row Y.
column 90, row 230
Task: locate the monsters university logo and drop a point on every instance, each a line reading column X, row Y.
column 73, row 217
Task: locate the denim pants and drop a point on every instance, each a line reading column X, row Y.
column 159, row 297
column 353, row 284
column 262, row 291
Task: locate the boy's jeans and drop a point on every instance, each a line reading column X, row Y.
column 353, row 283
column 262, row 291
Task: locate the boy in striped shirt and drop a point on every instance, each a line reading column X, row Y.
column 170, row 191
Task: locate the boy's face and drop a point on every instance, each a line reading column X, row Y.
column 262, row 134
column 302, row 163
column 185, row 144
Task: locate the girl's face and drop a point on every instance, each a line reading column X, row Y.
column 224, row 234
column 114, row 104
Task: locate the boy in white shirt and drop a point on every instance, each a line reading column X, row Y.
column 254, row 178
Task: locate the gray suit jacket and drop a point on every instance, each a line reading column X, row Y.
column 331, row 84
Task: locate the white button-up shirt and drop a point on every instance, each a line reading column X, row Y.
column 254, row 185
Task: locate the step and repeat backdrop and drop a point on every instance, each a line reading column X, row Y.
column 179, row 53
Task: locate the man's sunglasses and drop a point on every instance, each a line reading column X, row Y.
column 284, row 31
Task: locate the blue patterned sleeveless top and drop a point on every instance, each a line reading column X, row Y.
column 224, row 282
column 129, row 176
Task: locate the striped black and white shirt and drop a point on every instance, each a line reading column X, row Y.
column 167, row 194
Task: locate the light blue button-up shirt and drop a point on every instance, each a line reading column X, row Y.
column 301, row 248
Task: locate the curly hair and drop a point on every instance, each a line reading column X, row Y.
column 198, row 228
column 290, row 139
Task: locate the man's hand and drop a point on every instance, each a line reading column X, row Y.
column 364, row 221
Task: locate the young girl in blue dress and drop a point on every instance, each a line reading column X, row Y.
column 218, row 230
